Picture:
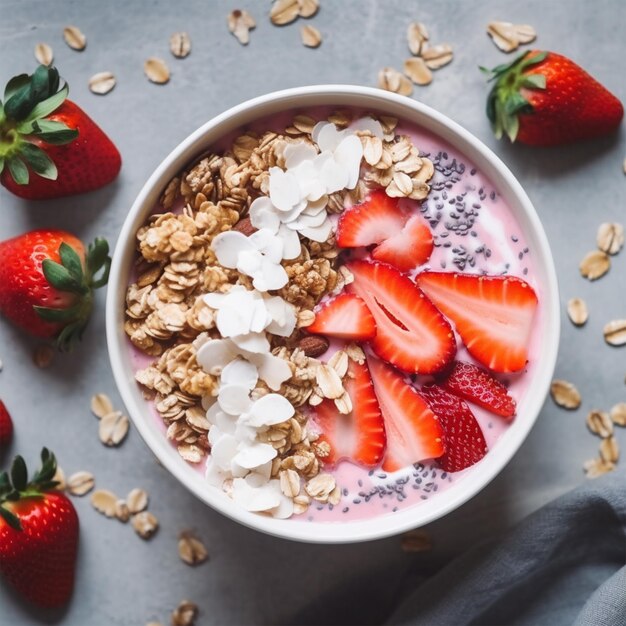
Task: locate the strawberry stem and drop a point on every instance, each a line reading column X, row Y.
column 14, row 485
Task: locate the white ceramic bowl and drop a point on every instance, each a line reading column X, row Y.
column 486, row 161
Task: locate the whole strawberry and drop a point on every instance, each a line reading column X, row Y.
column 6, row 426
column 47, row 282
column 38, row 534
column 544, row 99
column 49, row 147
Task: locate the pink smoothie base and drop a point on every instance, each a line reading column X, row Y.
column 367, row 494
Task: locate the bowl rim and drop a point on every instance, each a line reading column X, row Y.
column 302, row 97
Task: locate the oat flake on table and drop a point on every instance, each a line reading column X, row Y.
column 565, row 394
column 101, row 83
column 240, row 23
column 180, row 45
column 74, row 38
column 311, row 37
column 594, row 265
column 577, row 311
column 156, row 70
column 44, row 54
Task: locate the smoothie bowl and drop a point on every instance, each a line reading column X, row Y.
column 333, row 314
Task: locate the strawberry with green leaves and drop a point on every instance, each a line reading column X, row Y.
column 544, row 99
column 38, row 534
column 49, row 147
column 47, row 281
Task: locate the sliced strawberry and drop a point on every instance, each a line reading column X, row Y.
column 359, row 436
column 375, row 219
column 410, row 332
column 493, row 314
column 463, row 438
column 411, row 247
column 345, row 316
column 476, row 385
column 413, row 431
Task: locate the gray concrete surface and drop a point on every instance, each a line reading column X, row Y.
column 252, row 578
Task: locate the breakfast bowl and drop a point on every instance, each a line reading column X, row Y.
column 485, row 232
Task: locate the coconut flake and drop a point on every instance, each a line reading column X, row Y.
column 291, row 242
column 368, row 124
column 256, row 343
column 251, row 456
column 271, row 276
column 272, row 369
column 327, row 137
column 269, row 410
column 262, row 214
column 268, row 244
column 283, row 316
column 334, row 175
column 240, row 372
column 224, row 450
column 284, row 189
column 234, row 399
column 214, row 475
column 349, row 153
column 227, row 247
column 318, row 233
column 296, row 153
column 285, row 509
column 254, row 498
column 215, row 354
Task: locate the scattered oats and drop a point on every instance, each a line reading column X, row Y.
column 156, row 70
column 154, row 624
column 185, row 614
column 311, row 37
column 509, row 36
column 565, row 394
column 329, row 382
column 308, row 8
column 137, row 501
column 289, row 482
column 372, row 149
column 44, row 54
column 355, row 352
column 113, row 428
column 305, row 318
column 615, row 333
column 191, row 549
column 43, row 355
column 101, row 83
column 415, row 68
column 609, row 450
column 284, row 12
column 121, row 511
column 618, row 414
column 320, row 487
column 101, row 405
column 80, row 483
column 416, row 36
column 610, row 237
column 240, row 23
column 416, row 541
column 437, row 56
column 301, row 504
column 344, row 403
column 577, row 311
column 104, row 501
column 597, row 467
column 599, row 423
column 334, row 497
column 624, row 166
column 180, row 45
column 595, row 265
column 74, row 38
column 392, row 80
column 145, row 524
column 59, row 478
column 339, row 362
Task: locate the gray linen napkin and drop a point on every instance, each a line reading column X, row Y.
column 564, row 564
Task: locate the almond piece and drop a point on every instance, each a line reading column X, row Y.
column 313, row 346
column 245, row 227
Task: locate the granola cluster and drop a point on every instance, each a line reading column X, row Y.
column 167, row 317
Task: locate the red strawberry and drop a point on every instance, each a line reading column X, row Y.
column 493, row 314
column 50, row 147
column 38, row 534
column 544, row 99
column 359, row 436
column 478, row 386
column 463, row 438
column 411, row 247
column 6, row 426
column 411, row 333
column 345, row 316
column 413, row 431
column 375, row 219
column 47, row 282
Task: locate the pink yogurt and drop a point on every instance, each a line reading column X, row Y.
column 474, row 231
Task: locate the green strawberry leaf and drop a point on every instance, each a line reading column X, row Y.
column 71, row 260
column 1, row 164
column 11, row 519
column 57, row 315
column 39, row 84
column 52, row 132
column 534, row 81
column 60, row 278
column 39, row 161
column 18, row 170
column 42, row 109
column 19, row 473
column 15, row 84
column 98, row 259
column 5, row 483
